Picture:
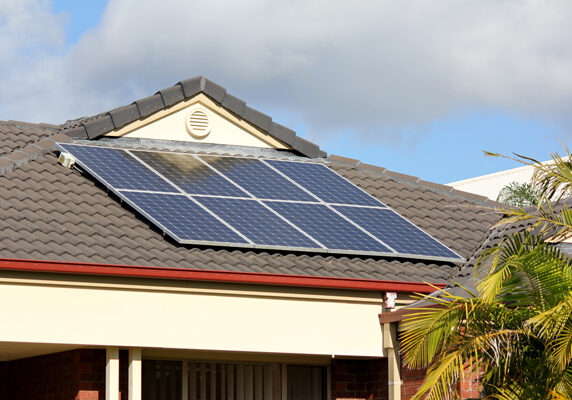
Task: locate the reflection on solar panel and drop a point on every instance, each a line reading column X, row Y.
column 189, row 173
column 246, row 202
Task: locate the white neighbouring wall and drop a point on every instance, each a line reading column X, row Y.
column 187, row 318
column 491, row 184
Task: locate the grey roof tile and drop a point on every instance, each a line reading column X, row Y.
column 15, row 135
column 150, row 105
column 79, row 132
column 18, row 157
column 308, row 148
column 234, row 104
column 192, row 86
column 213, row 90
column 343, row 160
column 172, row 95
column 282, row 133
column 256, row 118
column 400, row 176
column 124, row 115
column 5, row 165
column 98, row 126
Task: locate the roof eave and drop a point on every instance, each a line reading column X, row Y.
column 8, row 264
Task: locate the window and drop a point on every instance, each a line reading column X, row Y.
column 165, row 380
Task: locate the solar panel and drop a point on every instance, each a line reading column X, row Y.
column 327, row 227
column 391, row 228
column 257, row 178
column 190, row 174
column 257, row 222
column 247, row 202
column 324, row 183
column 118, row 168
column 183, row 218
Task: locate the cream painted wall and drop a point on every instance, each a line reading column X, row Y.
column 172, row 127
column 114, row 316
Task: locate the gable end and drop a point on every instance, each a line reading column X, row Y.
column 101, row 124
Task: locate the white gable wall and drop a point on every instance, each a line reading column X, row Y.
column 225, row 128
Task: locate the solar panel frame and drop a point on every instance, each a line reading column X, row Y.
column 250, row 244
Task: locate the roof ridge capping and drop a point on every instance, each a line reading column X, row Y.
column 98, row 125
column 436, row 187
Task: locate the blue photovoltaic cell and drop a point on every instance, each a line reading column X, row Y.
column 183, row 218
column 257, row 178
column 327, row 227
column 397, row 232
column 324, row 183
column 118, row 168
column 257, row 222
column 190, row 174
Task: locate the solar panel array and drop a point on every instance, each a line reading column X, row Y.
column 250, row 202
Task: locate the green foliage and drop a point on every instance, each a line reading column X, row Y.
column 518, row 195
column 515, row 331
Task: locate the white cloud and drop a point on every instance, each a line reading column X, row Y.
column 367, row 66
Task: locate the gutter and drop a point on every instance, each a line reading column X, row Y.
column 65, row 267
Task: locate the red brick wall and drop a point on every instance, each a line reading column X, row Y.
column 470, row 388
column 70, row 375
column 359, row 379
column 412, row 380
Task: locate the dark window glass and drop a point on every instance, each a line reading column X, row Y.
column 306, row 383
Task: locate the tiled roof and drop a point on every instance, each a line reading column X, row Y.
column 100, row 124
column 17, row 135
column 52, row 213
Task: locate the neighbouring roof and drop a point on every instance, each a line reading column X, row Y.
column 53, row 213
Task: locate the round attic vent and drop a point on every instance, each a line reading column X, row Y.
column 198, row 123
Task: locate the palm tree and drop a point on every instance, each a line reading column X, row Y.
column 515, row 328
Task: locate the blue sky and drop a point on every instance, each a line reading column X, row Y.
column 421, row 90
